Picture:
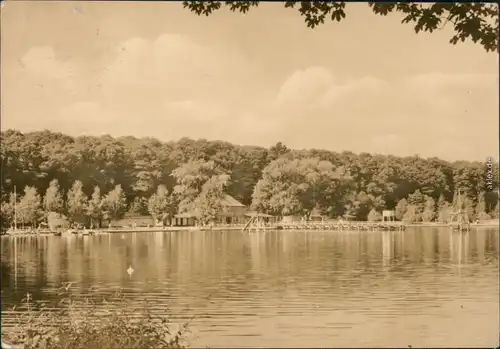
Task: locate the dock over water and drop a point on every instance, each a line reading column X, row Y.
column 329, row 225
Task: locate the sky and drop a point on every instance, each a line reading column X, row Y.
column 366, row 84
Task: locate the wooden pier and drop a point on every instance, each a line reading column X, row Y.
column 328, row 225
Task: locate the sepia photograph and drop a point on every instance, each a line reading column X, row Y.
column 249, row 174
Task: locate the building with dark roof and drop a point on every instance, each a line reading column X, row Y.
column 232, row 212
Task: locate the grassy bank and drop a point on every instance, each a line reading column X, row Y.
column 111, row 323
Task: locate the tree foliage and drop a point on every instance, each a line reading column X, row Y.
column 115, row 203
column 412, row 215
column 57, row 221
column 209, row 202
column 401, row 209
column 29, row 209
column 77, row 203
column 161, row 205
column 297, row 186
column 470, row 20
column 429, row 212
column 190, row 178
column 53, row 200
column 374, row 215
column 360, row 206
column 94, row 208
column 7, row 211
column 138, row 206
column 278, row 180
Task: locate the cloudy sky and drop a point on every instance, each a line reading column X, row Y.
column 154, row 69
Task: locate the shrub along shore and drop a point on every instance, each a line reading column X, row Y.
column 116, row 322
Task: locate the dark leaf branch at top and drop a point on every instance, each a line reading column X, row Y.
column 475, row 21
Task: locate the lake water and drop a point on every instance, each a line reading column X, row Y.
column 421, row 287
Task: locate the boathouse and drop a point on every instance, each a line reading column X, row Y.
column 186, row 219
column 232, row 212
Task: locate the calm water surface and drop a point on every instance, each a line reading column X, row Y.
column 422, row 287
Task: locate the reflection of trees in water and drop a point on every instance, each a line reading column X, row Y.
column 227, row 263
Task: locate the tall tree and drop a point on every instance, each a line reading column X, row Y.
column 30, row 207
column 469, row 207
column 417, row 199
column 7, row 211
column 429, row 212
column 401, row 209
column 441, row 202
column 412, row 215
column 481, row 204
column 209, row 203
column 277, row 150
column 160, row 204
column 76, row 203
column 360, row 207
column 138, row 206
column 115, row 203
column 94, row 209
column 53, row 200
column 190, row 178
column 444, row 213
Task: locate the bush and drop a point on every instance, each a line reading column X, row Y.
column 57, row 221
column 118, row 323
column 374, row 216
column 483, row 216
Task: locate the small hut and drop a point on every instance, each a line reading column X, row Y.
column 388, row 216
column 186, row 219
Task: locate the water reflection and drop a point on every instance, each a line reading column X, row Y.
column 420, row 287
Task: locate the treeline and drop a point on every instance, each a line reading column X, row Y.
column 57, row 173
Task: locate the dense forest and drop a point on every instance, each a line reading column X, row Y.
column 91, row 178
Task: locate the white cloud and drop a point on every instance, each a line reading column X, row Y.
column 304, row 86
column 41, row 62
column 176, row 68
column 433, row 114
column 172, row 87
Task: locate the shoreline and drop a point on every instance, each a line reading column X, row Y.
column 108, row 231
column 444, row 225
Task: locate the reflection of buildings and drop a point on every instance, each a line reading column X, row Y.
column 387, row 247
